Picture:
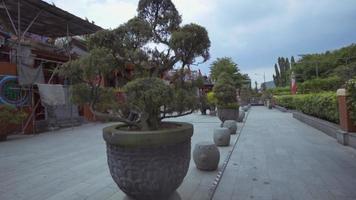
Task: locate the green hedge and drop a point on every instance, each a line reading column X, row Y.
column 280, row 91
column 321, row 105
column 319, row 85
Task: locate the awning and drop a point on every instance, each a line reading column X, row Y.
column 50, row 20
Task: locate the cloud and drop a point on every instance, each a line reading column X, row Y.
column 105, row 13
column 253, row 32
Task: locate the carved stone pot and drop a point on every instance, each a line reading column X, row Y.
column 228, row 114
column 149, row 164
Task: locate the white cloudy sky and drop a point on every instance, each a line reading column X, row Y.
column 253, row 32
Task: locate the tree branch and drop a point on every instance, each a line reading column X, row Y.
column 178, row 115
column 112, row 117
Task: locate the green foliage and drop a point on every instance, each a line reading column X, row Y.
column 228, row 66
column 162, row 15
column 183, row 100
column 282, row 70
column 211, row 98
column 351, row 98
column 345, row 72
column 319, row 85
column 10, row 115
column 280, row 91
column 221, row 65
column 225, row 91
column 137, row 44
column 192, row 37
column 234, row 105
column 89, row 68
column 146, row 96
column 340, row 62
column 321, row 105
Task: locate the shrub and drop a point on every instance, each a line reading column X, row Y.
column 319, row 85
column 211, row 98
column 280, row 91
column 285, row 101
column 9, row 116
column 225, row 92
column 351, row 98
column 321, row 105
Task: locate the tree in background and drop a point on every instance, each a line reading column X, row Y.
column 340, row 62
column 282, row 69
column 228, row 66
column 225, row 92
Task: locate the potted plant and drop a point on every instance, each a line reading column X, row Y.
column 148, row 158
column 225, row 93
column 10, row 117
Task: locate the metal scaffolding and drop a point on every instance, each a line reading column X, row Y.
column 42, row 19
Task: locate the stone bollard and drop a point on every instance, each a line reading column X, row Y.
column 245, row 108
column 206, row 156
column 241, row 116
column 231, row 125
column 222, row 137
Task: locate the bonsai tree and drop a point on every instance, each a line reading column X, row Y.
column 9, row 117
column 151, row 43
column 227, row 65
column 225, row 92
column 226, row 98
column 135, row 57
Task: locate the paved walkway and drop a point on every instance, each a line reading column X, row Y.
column 71, row 164
column 278, row 157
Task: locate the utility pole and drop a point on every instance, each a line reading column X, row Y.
column 264, row 77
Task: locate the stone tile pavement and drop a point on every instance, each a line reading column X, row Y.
column 70, row 164
column 278, row 157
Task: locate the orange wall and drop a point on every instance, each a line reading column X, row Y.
column 7, row 68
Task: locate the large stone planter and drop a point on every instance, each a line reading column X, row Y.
column 206, row 156
column 149, row 164
column 228, row 114
column 222, row 136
